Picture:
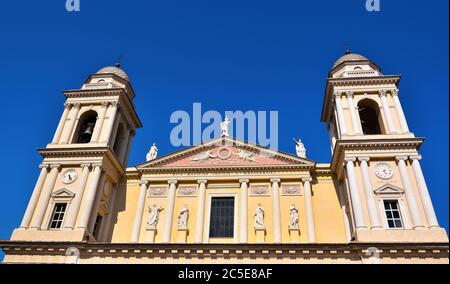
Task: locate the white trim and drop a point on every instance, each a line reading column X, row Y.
column 208, row 214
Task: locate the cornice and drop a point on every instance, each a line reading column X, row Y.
column 375, row 144
column 83, row 152
column 348, row 250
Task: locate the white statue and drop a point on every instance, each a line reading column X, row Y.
column 153, row 153
column 224, row 126
column 300, row 148
column 293, row 222
column 154, row 215
column 183, row 217
column 259, row 217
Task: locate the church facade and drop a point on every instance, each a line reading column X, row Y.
column 229, row 201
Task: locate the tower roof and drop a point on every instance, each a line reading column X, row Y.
column 350, row 57
column 116, row 70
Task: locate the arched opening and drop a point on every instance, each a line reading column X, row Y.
column 369, row 114
column 85, row 127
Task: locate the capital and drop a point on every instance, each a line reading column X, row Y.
column 349, row 94
column 144, row 182
column 307, row 179
column 87, row 165
column 350, row 159
column 44, row 166
column 275, row 180
column 401, row 158
column 202, row 181
column 55, row 166
column 105, row 104
column 114, row 104
column 76, row 105
column 365, row 159
column 99, row 165
column 337, row 95
column 67, row 105
column 415, row 157
column 395, row 92
column 172, row 181
column 244, row 180
column 382, row 93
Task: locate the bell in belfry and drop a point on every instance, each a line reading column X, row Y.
column 86, row 134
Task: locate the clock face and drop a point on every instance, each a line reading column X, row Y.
column 69, row 176
column 384, row 171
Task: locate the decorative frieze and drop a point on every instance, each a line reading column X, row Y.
column 259, row 189
column 157, row 191
column 190, row 190
column 291, row 189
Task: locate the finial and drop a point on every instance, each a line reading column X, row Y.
column 347, row 51
column 119, row 61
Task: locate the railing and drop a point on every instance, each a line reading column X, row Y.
column 360, row 73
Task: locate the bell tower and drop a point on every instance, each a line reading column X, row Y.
column 375, row 156
column 84, row 164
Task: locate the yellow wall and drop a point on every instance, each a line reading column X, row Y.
column 328, row 218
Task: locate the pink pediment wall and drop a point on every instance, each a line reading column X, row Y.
column 226, row 156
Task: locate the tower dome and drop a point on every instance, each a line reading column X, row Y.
column 116, row 70
column 350, row 57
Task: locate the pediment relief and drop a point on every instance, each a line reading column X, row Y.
column 226, row 152
column 389, row 189
column 63, row 193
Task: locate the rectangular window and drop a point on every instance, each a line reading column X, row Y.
column 222, row 217
column 392, row 211
column 58, row 215
column 98, row 222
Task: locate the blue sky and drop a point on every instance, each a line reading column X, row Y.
column 228, row 55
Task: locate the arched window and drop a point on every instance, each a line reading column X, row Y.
column 369, row 114
column 86, row 127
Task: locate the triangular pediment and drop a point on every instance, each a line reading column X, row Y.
column 389, row 189
column 226, row 152
column 63, row 193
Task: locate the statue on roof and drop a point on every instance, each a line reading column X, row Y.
column 300, row 148
column 153, row 153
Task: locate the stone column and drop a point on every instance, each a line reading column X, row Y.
column 340, row 113
column 370, row 197
column 61, row 124
column 139, row 212
column 243, row 224
column 45, row 197
column 387, row 112
column 170, row 207
column 90, row 197
column 309, row 210
column 124, row 147
column 67, row 132
column 112, row 139
column 354, row 194
column 111, row 120
column 99, row 124
column 200, row 211
column 35, row 197
column 400, row 113
column 276, row 210
column 355, row 123
column 409, row 192
column 74, row 208
column 424, row 193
